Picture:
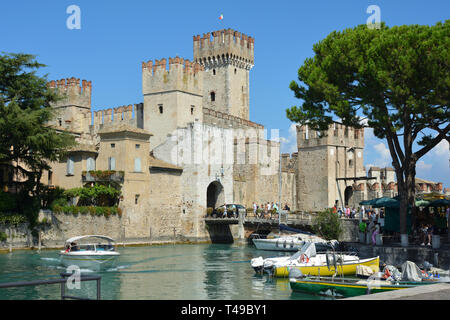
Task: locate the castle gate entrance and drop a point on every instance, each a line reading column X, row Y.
column 348, row 193
column 215, row 195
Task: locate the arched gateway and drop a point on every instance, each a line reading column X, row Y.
column 215, row 195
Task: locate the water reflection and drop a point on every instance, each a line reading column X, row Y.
column 192, row 272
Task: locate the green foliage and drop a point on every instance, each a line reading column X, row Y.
column 209, row 211
column 395, row 78
column 51, row 196
column 93, row 211
column 327, row 225
column 3, row 237
column 7, row 202
column 27, row 143
column 12, row 219
column 98, row 195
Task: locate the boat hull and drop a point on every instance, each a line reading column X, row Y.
column 348, row 268
column 91, row 262
column 343, row 289
column 281, row 245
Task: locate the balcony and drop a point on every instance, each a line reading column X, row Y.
column 103, row 176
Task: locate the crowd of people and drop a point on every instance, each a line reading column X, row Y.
column 267, row 210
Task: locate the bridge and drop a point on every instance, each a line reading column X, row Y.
column 225, row 230
column 220, row 231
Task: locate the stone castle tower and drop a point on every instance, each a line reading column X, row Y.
column 329, row 165
column 227, row 58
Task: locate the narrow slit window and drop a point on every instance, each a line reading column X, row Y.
column 213, row 96
column 161, row 109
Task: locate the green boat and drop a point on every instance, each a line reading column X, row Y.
column 345, row 287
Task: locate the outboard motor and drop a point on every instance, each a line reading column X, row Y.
column 295, row 273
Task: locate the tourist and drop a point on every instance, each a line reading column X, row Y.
column 286, row 207
column 430, row 230
column 423, row 233
column 224, row 211
column 375, row 231
column 353, row 213
column 362, row 212
column 255, row 207
column 347, row 212
column 340, row 212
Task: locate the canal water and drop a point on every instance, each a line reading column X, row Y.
column 158, row 272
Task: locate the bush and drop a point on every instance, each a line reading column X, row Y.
column 7, row 202
column 3, row 237
column 327, row 225
column 209, row 211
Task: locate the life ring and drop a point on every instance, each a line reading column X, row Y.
column 386, row 274
column 304, row 258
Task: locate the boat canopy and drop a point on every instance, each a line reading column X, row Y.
column 74, row 239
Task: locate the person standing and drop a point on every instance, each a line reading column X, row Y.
column 255, row 207
column 224, row 210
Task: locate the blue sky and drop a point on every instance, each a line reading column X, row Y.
column 116, row 36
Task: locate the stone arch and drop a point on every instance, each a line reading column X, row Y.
column 215, row 195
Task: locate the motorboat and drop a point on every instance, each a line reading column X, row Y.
column 292, row 242
column 338, row 287
column 309, row 262
column 93, row 252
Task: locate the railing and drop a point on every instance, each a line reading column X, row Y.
column 61, row 281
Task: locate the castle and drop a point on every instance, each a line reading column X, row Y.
column 191, row 145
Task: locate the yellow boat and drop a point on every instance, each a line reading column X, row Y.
column 318, row 267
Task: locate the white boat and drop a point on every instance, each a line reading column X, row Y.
column 93, row 252
column 292, row 243
column 310, row 262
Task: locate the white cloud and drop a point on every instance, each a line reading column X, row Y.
column 289, row 143
column 382, row 155
column 421, row 165
column 442, row 149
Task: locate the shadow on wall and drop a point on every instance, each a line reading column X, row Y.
column 220, row 233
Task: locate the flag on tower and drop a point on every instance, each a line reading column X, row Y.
column 221, row 17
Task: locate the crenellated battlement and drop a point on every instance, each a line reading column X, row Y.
column 227, row 46
column 337, row 134
column 182, row 75
column 73, row 94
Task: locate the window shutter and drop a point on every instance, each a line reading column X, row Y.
column 70, row 166
column 112, row 163
column 137, row 165
column 90, row 164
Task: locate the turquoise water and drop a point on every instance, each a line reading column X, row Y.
column 163, row 272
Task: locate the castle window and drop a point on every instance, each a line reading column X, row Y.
column 192, row 110
column 213, row 96
column 50, row 177
column 136, row 199
column 235, row 70
column 60, row 122
column 111, row 163
column 113, row 145
column 70, row 166
column 350, row 163
column 160, row 108
column 214, row 71
column 138, row 146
